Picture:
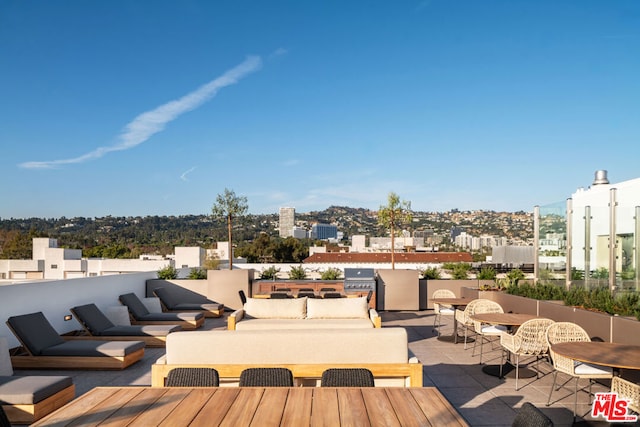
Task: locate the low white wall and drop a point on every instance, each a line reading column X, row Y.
column 55, row 297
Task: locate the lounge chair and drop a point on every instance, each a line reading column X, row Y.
column 43, row 348
column 141, row 316
column 26, row 399
column 172, row 303
column 97, row 326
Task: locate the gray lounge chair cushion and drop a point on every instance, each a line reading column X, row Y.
column 140, row 312
column 99, row 325
column 90, row 348
column 192, row 302
column 29, row 390
column 6, row 369
column 141, row 331
column 35, row 332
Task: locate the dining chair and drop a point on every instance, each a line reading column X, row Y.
column 440, row 310
column 279, row 295
column 347, row 377
column 571, row 332
column 193, row 377
column 464, row 320
column 332, row 295
column 528, row 341
column 243, row 297
column 627, row 390
column 307, row 294
column 530, row 416
column 483, row 330
column 266, row 377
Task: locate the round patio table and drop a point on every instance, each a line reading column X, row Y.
column 615, row 355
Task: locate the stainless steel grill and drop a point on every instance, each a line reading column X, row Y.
column 359, row 280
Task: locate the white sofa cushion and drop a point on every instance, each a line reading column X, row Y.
column 271, row 324
column 337, row 308
column 386, row 345
column 289, row 308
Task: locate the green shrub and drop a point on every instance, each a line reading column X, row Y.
column 600, row 273
column 541, row 291
column 197, row 274
column 460, row 271
column 487, row 273
column 432, row 273
column 270, row 273
column 168, row 273
column 577, row 274
column 297, row 273
column 331, row 274
column 515, row 275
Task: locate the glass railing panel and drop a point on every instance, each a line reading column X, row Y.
column 552, row 250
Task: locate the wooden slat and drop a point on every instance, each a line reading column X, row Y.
column 379, row 408
column 324, row 411
column 107, row 407
column 437, row 409
column 161, row 408
column 297, row 410
column 188, row 409
column 271, row 407
column 242, row 414
column 216, row 408
column 352, row 407
column 407, row 410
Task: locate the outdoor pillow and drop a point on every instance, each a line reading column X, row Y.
column 266, row 308
column 338, row 308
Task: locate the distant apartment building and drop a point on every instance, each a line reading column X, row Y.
column 324, row 231
column 287, row 222
column 299, row 233
column 475, row 243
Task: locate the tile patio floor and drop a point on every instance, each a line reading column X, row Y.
column 483, row 400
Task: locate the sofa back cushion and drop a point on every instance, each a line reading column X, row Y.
column 386, row 345
column 266, row 308
column 338, row 308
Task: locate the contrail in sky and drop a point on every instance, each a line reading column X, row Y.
column 151, row 122
column 184, row 174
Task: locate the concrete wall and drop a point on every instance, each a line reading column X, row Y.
column 54, row 298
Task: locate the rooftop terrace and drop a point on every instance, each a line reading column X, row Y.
column 483, row 400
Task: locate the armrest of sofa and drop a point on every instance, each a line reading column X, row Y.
column 375, row 318
column 234, row 318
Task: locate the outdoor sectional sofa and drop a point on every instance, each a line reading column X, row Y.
column 304, row 313
column 307, row 353
column 28, row 398
column 43, row 348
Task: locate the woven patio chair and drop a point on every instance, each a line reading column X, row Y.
column 347, row 377
column 279, row 295
column 332, row 295
column 530, row 416
column 193, row 377
column 307, row 294
column 571, row 332
column 528, row 341
column 464, row 320
column 266, row 377
column 439, row 310
column 627, row 390
column 484, row 331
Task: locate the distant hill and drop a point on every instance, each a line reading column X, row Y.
column 159, row 234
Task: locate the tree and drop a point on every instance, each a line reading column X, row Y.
column 393, row 216
column 229, row 206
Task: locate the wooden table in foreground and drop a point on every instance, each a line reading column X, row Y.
column 258, row 406
column 618, row 356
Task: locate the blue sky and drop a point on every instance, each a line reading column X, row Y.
column 153, row 107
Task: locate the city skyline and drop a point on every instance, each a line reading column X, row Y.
column 128, row 109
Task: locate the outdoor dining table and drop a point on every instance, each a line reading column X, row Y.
column 257, row 406
column 615, row 355
column 511, row 321
column 456, row 304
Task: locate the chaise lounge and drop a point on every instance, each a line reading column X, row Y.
column 26, row 399
column 174, row 303
column 97, row 326
column 140, row 315
column 43, row 348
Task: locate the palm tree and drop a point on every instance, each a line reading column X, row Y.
column 393, row 216
column 229, row 206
